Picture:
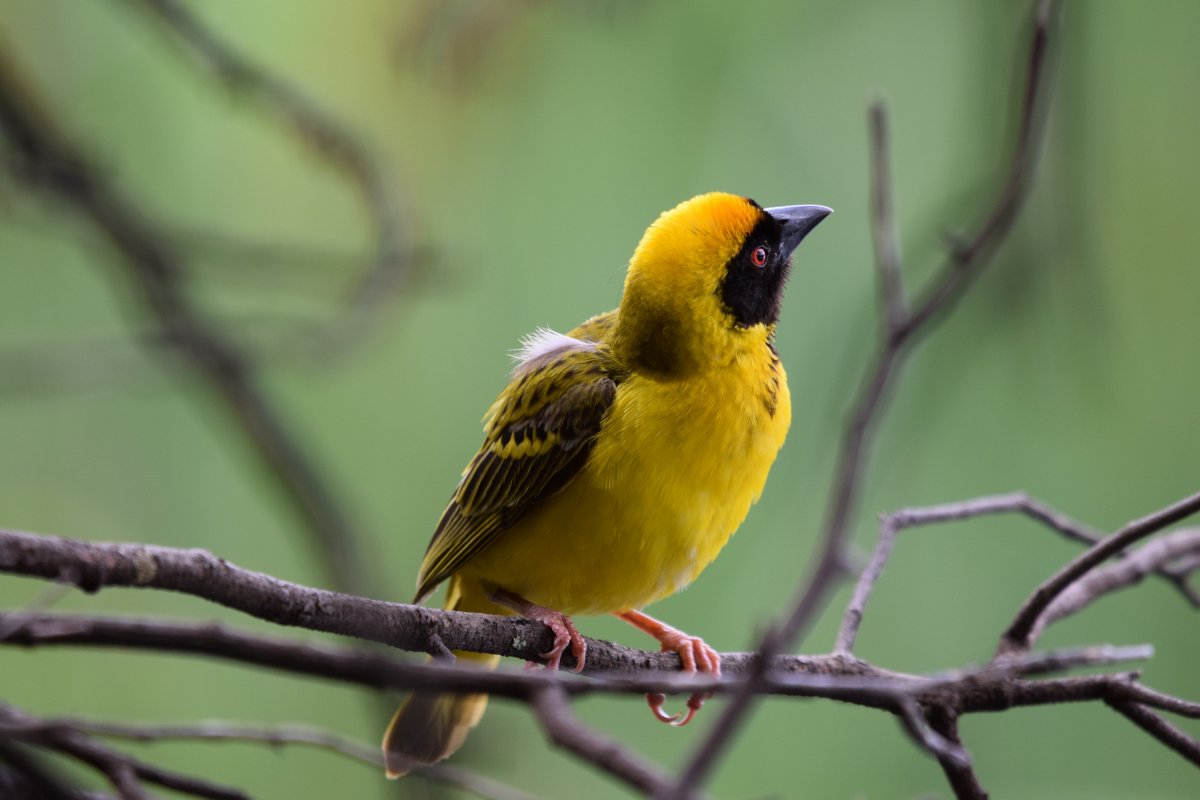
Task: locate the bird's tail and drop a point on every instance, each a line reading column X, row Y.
column 430, row 726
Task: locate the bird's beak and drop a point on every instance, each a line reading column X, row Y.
column 797, row 221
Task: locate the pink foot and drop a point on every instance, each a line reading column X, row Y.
column 565, row 634
column 695, row 654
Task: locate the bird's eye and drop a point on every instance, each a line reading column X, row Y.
column 758, row 256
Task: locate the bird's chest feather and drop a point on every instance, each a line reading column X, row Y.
column 672, row 475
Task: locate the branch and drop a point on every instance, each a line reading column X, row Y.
column 896, row 342
column 1160, row 729
column 51, row 162
column 996, row 686
column 27, row 776
column 552, row 710
column 1023, row 631
column 325, row 137
column 1157, row 558
column 275, row 736
column 1152, row 557
column 884, row 235
column 959, row 772
column 124, row 772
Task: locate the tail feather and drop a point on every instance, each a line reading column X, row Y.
column 431, row 726
column 428, row 728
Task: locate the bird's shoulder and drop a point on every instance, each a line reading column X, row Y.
column 537, row 436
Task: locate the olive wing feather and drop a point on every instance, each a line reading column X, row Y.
column 538, row 435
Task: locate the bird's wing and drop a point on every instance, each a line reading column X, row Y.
column 538, row 435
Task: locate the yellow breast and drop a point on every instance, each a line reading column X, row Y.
column 672, row 475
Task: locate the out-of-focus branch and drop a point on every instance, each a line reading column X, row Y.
column 23, row 773
column 884, row 234
column 1151, row 557
column 1158, row 557
column 1022, row 633
column 275, row 736
column 327, row 138
column 552, row 710
column 1153, row 724
column 49, row 161
column 898, row 335
column 125, row 773
column 959, row 772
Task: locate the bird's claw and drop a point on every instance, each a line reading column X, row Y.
column 559, row 624
column 565, row 635
column 695, row 656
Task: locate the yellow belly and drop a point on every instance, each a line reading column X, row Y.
column 674, row 472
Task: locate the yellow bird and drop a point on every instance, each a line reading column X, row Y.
column 622, row 455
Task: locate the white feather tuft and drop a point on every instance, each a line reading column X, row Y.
column 544, row 342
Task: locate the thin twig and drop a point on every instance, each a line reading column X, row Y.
column 959, row 772
column 53, row 163
column 124, row 772
column 222, row 731
column 1153, row 724
column 1149, row 558
column 27, row 776
column 1128, row 570
column 277, row 735
column 327, row 138
column 552, row 710
column 1021, row 634
column 884, row 235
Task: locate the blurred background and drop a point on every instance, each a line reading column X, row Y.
column 526, row 145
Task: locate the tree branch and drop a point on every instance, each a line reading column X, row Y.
column 1160, row 729
column 959, row 772
column 1158, row 558
column 124, row 772
column 278, row 735
column 896, row 342
column 1021, row 634
column 552, row 710
column 49, row 161
column 1155, row 556
column 325, row 137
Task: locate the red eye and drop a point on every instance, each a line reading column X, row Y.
column 758, row 256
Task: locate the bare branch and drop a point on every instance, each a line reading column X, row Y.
column 23, row 774
column 1159, row 560
column 51, row 162
column 222, row 731
column 328, row 139
column 552, row 710
column 1148, row 697
column 124, row 772
column 884, row 235
column 1151, row 557
column 1023, row 631
column 895, row 344
column 1160, row 729
column 278, row 735
column 959, row 772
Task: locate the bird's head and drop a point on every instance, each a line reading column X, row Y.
column 706, row 281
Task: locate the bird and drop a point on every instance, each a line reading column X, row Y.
column 622, row 455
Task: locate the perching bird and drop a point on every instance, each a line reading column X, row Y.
column 622, row 455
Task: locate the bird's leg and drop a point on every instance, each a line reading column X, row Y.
column 693, row 652
column 558, row 622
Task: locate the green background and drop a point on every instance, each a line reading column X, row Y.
column 532, row 142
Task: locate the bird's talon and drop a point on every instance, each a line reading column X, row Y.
column 694, row 704
column 656, row 701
